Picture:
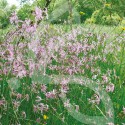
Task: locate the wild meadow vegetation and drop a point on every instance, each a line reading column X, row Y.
column 62, row 69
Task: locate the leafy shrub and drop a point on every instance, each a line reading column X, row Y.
column 5, row 13
column 25, row 12
column 102, row 17
column 4, row 22
column 111, row 20
column 90, row 21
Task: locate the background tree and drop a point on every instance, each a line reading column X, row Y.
column 5, row 12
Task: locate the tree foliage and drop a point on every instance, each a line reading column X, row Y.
column 5, row 12
column 109, row 12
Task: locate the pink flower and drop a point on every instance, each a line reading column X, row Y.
column 14, row 18
column 64, row 89
column 64, row 86
column 5, row 71
column 67, row 104
column 38, row 13
column 110, row 88
column 35, row 108
column 64, row 82
column 51, row 94
column 70, row 71
column 38, row 99
column 43, row 88
column 22, row 73
column 62, row 53
column 105, row 78
column 38, row 120
column 19, row 69
column 41, row 107
column 2, row 102
column 31, row 28
column 16, row 104
column 9, row 55
column 19, row 96
column 27, row 97
column 95, row 99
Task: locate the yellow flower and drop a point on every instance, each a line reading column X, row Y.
column 123, row 28
column 107, row 5
column 45, row 117
column 81, row 13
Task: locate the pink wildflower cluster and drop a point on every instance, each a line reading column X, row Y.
column 28, row 27
column 51, row 94
column 38, row 13
column 110, row 88
column 95, row 99
column 64, row 86
column 44, row 50
column 14, row 18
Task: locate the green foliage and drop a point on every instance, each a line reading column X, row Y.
column 104, row 18
column 40, row 3
column 76, row 7
column 87, row 10
column 4, row 22
column 5, row 12
column 57, row 12
column 111, row 20
column 102, row 12
column 97, row 15
column 3, row 4
column 25, row 12
column 90, row 21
